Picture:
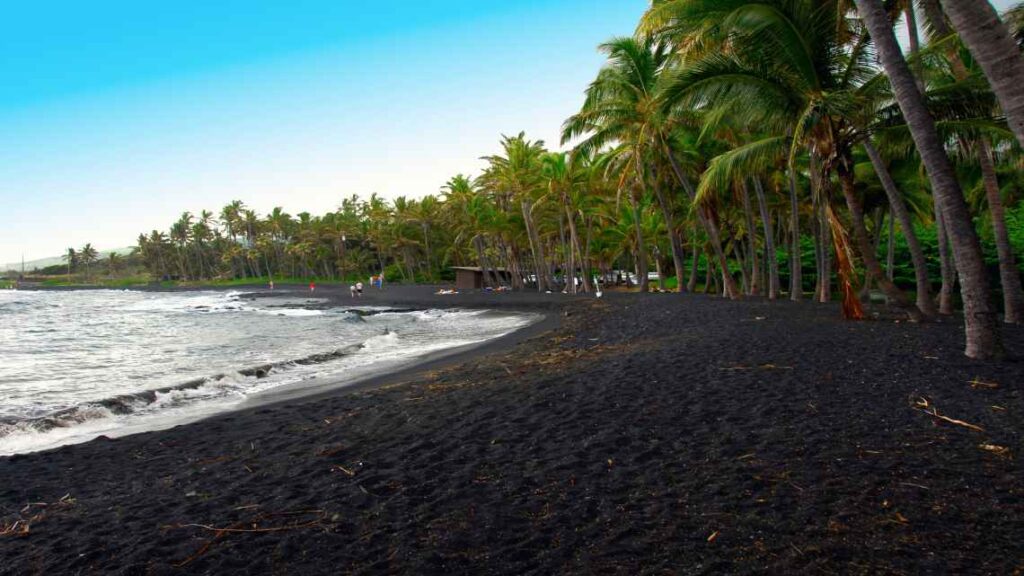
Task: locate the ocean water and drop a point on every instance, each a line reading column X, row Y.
column 77, row 365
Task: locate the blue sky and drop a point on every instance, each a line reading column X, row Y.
column 115, row 117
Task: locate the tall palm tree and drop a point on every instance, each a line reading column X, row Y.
column 900, row 213
column 983, row 337
column 996, row 51
column 113, row 263
column 517, row 172
column 1013, row 292
column 623, row 109
column 784, row 71
column 71, row 257
column 563, row 176
column 88, row 256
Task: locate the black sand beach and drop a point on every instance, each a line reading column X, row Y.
column 653, row 434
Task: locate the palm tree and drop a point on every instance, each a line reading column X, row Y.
column 1009, row 273
column 996, row 51
column 983, row 338
column 181, row 234
column 1013, row 293
column 517, row 173
column 623, row 108
column 71, row 257
column 113, row 263
column 88, row 256
column 563, row 176
column 900, row 212
column 782, row 70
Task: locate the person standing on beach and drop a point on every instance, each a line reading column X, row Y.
column 312, row 286
column 271, row 283
column 352, row 291
column 359, row 289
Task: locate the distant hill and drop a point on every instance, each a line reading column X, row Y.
column 41, row 263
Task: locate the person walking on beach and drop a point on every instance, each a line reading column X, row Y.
column 312, row 286
column 359, row 289
column 352, row 291
column 271, row 283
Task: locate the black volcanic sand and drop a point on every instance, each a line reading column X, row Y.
column 653, row 434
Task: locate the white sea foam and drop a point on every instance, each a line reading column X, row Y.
column 81, row 364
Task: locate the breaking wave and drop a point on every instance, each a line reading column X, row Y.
column 78, row 365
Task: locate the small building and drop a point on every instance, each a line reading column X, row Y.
column 472, row 277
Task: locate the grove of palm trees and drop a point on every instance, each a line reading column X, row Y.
column 782, row 149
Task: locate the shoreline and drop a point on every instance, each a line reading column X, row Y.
column 642, row 434
column 335, row 384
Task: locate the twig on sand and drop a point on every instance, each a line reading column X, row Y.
column 922, row 405
column 761, row 367
column 250, row 530
column 252, row 527
column 1001, row 451
column 22, row 526
column 977, row 383
column 17, row 528
column 341, row 468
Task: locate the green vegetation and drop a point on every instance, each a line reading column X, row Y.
column 122, row 282
column 752, row 147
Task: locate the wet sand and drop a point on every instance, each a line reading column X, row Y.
column 656, row 434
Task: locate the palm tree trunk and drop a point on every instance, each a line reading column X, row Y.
column 1009, row 274
column 748, row 216
column 826, row 260
column 575, row 240
column 914, row 40
column 852, row 309
column 769, row 242
column 867, row 250
column 796, row 282
column 823, row 293
column 490, row 279
column 709, row 277
column 981, row 324
column 430, row 257
column 661, row 274
column 567, row 263
column 890, row 250
column 899, row 211
column 691, row 284
column 587, row 262
column 673, row 235
column 543, row 281
column 996, row 52
column 876, row 243
column 737, row 252
column 819, row 253
column 947, row 269
column 709, row 224
column 641, row 249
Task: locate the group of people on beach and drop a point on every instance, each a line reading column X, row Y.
column 376, row 281
column 356, row 290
